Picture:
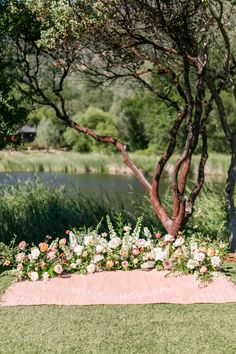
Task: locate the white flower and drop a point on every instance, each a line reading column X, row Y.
column 193, row 247
column 114, row 243
column 148, row 265
column 89, row 240
column 78, row 250
column 98, row 258
column 159, row 254
column 147, row 243
column 99, row 248
column 35, row 252
column 179, row 242
column 45, row 276
column 168, row 237
column 51, row 255
column 147, row 232
column 78, row 262
column 215, row 261
column 73, row 266
column 58, row 269
column 127, row 228
column 90, row 268
column 20, row 257
column 33, row 276
column 140, row 242
column 199, row 256
column 192, row 264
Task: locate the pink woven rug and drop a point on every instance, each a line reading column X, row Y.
column 119, row 287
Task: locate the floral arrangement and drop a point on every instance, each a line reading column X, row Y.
column 91, row 251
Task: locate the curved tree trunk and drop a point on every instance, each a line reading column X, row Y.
column 229, row 196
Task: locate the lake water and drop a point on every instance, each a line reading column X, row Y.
column 93, row 184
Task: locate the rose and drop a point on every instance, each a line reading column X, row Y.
column 62, row 242
column 42, row 264
column 58, row 269
column 45, row 276
column 127, row 228
column 125, row 264
column 210, row 252
column 199, row 256
column 157, row 235
column 89, row 240
column 215, row 261
column 179, row 242
column 43, row 246
column 124, row 253
column 22, row 245
column 159, row 254
column 68, row 232
column 90, row 268
column 33, row 276
column 135, row 251
column 35, row 252
column 166, row 264
column 192, row 264
column 203, row 269
column 109, row 264
column 84, row 254
column 98, row 258
column 20, row 257
column 140, row 242
column 114, row 243
column 99, row 248
column 148, row 265
column 78, row 250
column 73, row 266
column 104, row 234
column 168, row 237
column 51, row 255
column 19, row 267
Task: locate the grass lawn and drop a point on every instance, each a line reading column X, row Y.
column 119, row 329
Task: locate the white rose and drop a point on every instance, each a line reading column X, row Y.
column 90, row 268
column 78, row 262
column 159, row 254
column 78, row 250
column 215, row 261
column 140, row 242
column 114, row 243
column 99, row 248
column 89, row 240
column 98, row 258
column 35, row 252
column 33, row 276
column 192, row 264
column 168, row 237
column 179, row 242
column 127, row 228
column 45, row 276
column 147, row 243
column 148, row 265
column 73, row 265
column 199, row 256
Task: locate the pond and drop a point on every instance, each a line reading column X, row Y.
column 94, row 184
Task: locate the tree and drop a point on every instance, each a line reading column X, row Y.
column 12, row 106
column 164, row 46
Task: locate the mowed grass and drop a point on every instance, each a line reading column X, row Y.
column 162, row 328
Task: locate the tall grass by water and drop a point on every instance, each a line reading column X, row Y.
column 32, row 210
column 72, row 162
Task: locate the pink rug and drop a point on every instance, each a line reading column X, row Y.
column 130, row 287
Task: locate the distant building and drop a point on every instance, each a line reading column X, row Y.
column 27, row 133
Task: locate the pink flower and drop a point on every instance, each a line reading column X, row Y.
column 125, row 264
column 203, row 269
column 51, row 255
column 19, row 267
column 58, row 269
column 166, row 264
column 135, row 251
column 68, row 232
column 62, row 242
column 157, row 235
column 20, row 257
column 22, row 245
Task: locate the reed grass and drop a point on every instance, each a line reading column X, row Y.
column 72, row 162
column 32, row 210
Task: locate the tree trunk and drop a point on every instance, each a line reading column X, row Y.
column 229, row 196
